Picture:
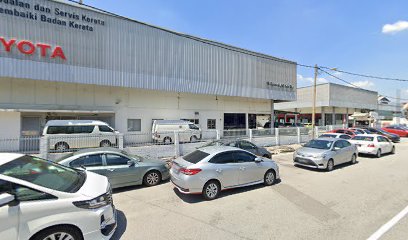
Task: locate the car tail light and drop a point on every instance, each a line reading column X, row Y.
column 371, row 145
column 192, row 171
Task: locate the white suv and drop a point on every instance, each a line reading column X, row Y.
column 43, row 200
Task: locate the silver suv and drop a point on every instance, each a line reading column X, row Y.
column 209, row 170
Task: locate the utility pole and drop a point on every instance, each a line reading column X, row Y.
column 398, row 107
column 314, row 102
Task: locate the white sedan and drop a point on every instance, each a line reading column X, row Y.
column 43, row 200
column 373, row 144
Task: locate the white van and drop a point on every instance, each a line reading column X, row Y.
column 74, row 134
column 163, row 131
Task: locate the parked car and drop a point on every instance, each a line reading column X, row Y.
column 40, row 199
column 121, row 168
column 395, row 129
column 335, row 135
column 373, row 144
column 74, row 134
column 209, row 170
column 345, row 131
column 360, row 131
column 246, row 145
column 393, row 137
column 325, row 153
column 163, row 131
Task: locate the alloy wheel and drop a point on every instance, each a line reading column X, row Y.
column 59, row 236
column 152, row 178
column 212, row 190
column 269, row 178
column 353, row 159
column 330, row 165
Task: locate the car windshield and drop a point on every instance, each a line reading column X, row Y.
column 214, row 143
column 363, row 138
column 328, row 136
column 319, row 144
column 44, row 173
column 195, row 156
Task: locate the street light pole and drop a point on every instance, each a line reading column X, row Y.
column 314, row 102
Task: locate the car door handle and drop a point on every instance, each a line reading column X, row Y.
column 218, row 170
column 242, row 168
column 111, row 169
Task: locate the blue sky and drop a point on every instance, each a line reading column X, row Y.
column 345, row 34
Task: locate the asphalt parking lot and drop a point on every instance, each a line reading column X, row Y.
column 352, row 202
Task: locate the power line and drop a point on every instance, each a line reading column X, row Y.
column 366, row 75
column 351, row 84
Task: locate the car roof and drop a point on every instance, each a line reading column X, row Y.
column 74, row 122
column 98, row 150
column 217, row 149
column 170, row 122
column 7, row 157
column 369, row 135
column 329, row 139
column 336, row 134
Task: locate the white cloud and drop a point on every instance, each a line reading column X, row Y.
column 363, row 84
column 395, row 27
column 310, row 79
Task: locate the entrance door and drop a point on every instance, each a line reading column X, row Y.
column 30, row 134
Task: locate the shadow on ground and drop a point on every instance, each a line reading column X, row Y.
column 197, row 198
column 122, row 225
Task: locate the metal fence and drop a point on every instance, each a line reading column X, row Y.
column 146, row 144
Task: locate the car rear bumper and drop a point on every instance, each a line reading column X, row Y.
column 186, row 184
column 371, row 151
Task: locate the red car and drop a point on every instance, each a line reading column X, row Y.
column 345, row 131
column 399, row 130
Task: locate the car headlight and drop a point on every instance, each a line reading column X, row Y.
column 323, row 155
column 95, row 203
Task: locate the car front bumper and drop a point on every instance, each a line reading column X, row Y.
column 107, row 223
column 318, row 163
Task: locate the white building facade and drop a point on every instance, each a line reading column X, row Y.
column 68, row 61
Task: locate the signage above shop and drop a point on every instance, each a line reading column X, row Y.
column 279, row 85
column 30, row 48
column 52, row 15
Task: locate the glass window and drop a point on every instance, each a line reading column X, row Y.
column 319, row 144
column 345, row 143
column 328, row 136
column 87, row 161
column 44, row 173
column 195, row 156
column 134, row 125
column 114, row 160
column 27, row 194
column 338, row 144
column 223, row 158
column 5, row 186
column 243, row 157
column 363, row 138
column 211, row 124
column 194, row 127
column 104, row 128
column 340, row 131
column 247, row 145
column 345, row 136
column 83, row 129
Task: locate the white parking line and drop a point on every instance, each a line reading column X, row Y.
column 386, row 227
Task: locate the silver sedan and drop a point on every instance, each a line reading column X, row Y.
column 325, row 153
column 209, row 170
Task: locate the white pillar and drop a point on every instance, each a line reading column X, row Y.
column 176, row 144
column 277, row 140
column 298, row 136
column 44, row 147
column 272, row 115
column 323, row 117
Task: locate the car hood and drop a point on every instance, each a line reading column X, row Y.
column 94, row 185
column 307, row 152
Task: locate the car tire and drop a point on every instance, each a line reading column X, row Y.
column 330, row 165
column 193, row 139
column 61, row 147
column 58, row 231
column 393, row 150
column 269, row 177
column 378, row 155
column 167, row 140
column 211, row 190
column 152, row 178
column 105, row 143
column 353, row 159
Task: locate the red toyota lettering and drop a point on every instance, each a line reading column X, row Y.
column 43, row 48
column 58, row 53
column 23, row 45
column 7, row 45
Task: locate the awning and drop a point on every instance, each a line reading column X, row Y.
column 55, row 111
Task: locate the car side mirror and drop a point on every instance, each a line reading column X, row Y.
column 258, row 160
column 336, row 148
column 5, row 199
column 131, row 163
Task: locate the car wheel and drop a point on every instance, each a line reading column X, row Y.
column 193, row 139
column 211, row 190
column 393, row 150
column 330, row 165
column 269, row 178
column 152, row 178
column 105, row 143
column 61, row 147
column 353, row 159
column 167, row 140
column 378, row 155
column 59, row 232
